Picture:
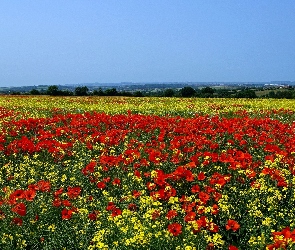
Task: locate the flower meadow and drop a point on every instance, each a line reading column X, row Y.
column 146, row 173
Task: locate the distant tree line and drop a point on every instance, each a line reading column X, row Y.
column 286, row 94
column 83, row 91
column 206, row 92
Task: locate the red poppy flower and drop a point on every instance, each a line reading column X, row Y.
column 213, row 228
column 231, row 247
column 204, row 197
column 195, row 189
column 215, row 209
column 116, row 211
column 73, row 192
column 116, row 181
column 17, row 194
column 232, row 225
column 190, row 216
column 66, row 214
column 93, row 215
column 89, row 168
column 32, row 186
column 107, row 179
column 188, row 207
column 30, row 194
column 137, row 173
column 202, row 222
column 101, row 185
column 251, row 173
column 105, row 168
column 136, row 193
column 175, row 229
column 217, row 196
column 171, row 214
column 20, row 209
column 56, row 202
column 201, row 176
column 58, row 192
column 132, row 207
column 219, row 179
column 191, row 164
column 17, row 221
column 110, row 206
column 43, row 186
column 66, row 203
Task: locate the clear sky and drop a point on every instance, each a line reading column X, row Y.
column 84, row 41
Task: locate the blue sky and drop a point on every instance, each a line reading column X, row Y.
column 83, row 41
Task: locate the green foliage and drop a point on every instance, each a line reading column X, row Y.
column 55, row 91
column 138, row 94
column 169, row 93
column 35, row 92
column 247, row 93
column 111, row 92
column 207, row 92
column 81, row 91
column 187, row 92
column 52, row 90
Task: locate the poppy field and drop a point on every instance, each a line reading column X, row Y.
column 146, row 173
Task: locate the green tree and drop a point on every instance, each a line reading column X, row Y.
column 285, row 94
column 246, row 93
column 138, row 94
column 125, row 93
column 169, row 92
column 52, row 90
column 66, row 93
column 187, row 92
column 81, row 91
column 207, row 92
column 272, row 94
column 98, row 92
column 111, row 92
column 35, row 92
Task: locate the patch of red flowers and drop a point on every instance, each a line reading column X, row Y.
column 66, row 214
column 282, row 239
column 20, row 209
column 175, row 229
column 232, row 225
column 173, row 157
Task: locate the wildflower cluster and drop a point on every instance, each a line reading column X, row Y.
column 91, row 180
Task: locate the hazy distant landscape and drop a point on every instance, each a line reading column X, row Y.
column 150, row 86
column 273, row 89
